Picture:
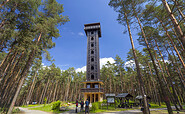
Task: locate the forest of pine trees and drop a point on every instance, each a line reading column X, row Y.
column 27, row 28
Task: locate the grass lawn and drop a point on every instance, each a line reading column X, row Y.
column 111, row 109
column 46, row 108
column 157, row 106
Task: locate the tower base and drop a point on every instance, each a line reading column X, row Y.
column 93, row 97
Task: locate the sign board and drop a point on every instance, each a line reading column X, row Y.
column 110, row 100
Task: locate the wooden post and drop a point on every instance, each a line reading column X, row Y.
column 107, row 103
column 94, row 97
column 114, row 102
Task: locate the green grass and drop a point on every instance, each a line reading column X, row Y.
column 35, row 105
column 110, row 109
column 157, row 106
column 46, row 108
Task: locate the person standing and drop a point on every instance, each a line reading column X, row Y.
column 82, row 105
column 76, row 106
column 87, row 106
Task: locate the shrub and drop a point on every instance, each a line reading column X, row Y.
column 104, row 101
column 95, row 106
column 99, row 104
column 116, row 102
column 45, row 101
column 16, row 110
column 56, row 105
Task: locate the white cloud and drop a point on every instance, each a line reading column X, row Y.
column 62, row 70
column 83, row 69
column 130, row 64
column 103, row 61
column 43, row 65
column 81, row 34
column 166, row 61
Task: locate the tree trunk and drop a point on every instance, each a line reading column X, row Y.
column 12, row 79
column 169, row 77
column 146, row 108
column 175, row 23
column 67, row 90
column 178, row 68
column 155, row 91
column 182, row 48
column 40, row 100
column 5, row 59
column 54, row 95
column 23, row 75
column 167, row 101
column 50, row 91
column 43, row 96
column 31, row 89
column 165, row 81
column 183, row 64
column 179, row 10
column 10, row 63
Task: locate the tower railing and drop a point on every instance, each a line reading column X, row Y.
column 92, row 90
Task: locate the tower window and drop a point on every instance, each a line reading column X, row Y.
column 88, row 86
column 92, row 59
column 96, row 86
column 92, row 52
column 92, row 32
column 92, row 38
column 92, row 77
column 92, row 67
column 92, row 45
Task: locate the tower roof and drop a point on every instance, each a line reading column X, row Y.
column 93, row 26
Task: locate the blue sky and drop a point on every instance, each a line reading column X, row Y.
column 70, row 50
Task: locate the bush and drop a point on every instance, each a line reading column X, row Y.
column 16, row 110
column 56, row 105
column 116, row 102
column 95, row 106
column 99, row 104
column 104, row 101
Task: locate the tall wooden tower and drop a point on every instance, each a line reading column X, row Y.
column 93, row 90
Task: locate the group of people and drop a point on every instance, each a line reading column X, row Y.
column 82, row 106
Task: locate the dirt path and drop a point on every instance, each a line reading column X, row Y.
column 26, row 111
